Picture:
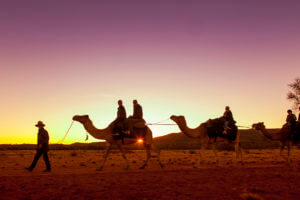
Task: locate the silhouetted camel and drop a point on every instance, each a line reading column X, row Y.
column 283, row 136
column 206, row 137
column 106, row 134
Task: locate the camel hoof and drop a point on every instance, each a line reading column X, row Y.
column 161, row 165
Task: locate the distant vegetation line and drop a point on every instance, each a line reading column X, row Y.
column 249, row 139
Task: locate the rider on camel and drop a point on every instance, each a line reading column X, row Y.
column 228, row 119
column 291, row 120
column 119, row 122
column 136, row 117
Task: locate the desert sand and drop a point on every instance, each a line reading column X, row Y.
column 264, row 175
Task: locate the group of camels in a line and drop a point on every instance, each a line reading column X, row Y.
column 200, row 133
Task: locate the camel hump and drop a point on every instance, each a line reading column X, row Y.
column 136, row 123
column 140, row 124
column 215, row 128
column 217, row 122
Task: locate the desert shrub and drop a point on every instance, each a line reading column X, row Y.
column 251, row 196
column 73, row 154
column 192, row 152
column 3, row 154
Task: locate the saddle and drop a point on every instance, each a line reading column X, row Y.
column 136, row 127
column 132, row 128
column 294, row 134
column 215, row 128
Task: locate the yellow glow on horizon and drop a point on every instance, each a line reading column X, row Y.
column 18, row 127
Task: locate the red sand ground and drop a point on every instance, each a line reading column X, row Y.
column 264, row 176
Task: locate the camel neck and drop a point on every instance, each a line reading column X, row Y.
column 274, row 136
column 183, row 128
column 102, row 134
column 192, row 133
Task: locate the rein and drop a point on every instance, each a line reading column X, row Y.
column 61, row 141
column 245, row 127
column 151, row 124
column 160, row 123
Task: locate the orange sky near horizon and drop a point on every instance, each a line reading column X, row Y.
column 185, row 58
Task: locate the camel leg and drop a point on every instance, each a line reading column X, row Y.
column 157, row 150
column 215, row 152
column 238, row 152
column 105, row 156
column 203, row 147
column 281, row 151
column 289, row 153
column 124, row 156
column 148, row 152
column 241, row 153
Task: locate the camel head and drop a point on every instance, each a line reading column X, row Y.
column 180, row 120
column 258, row 126
column 81, row 118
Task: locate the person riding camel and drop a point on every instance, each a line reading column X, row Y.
column 291, row 120
column 136, row 117
column 137, row 110
column 119, row 122
column 228, row 117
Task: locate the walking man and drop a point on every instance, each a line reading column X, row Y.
column 42, row 147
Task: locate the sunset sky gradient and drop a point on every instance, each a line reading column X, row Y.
column 187, row 57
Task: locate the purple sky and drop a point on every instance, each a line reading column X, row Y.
column 214, row 52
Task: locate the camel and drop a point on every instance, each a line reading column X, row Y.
column 283, row 136
column 107, row 135
column 202, row 133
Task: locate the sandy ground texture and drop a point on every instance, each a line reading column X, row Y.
column 264, row 175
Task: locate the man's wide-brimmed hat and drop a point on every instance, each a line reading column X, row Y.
column 40, row 124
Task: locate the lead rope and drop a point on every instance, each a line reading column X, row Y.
column 245, row 127
column 160, row 123
column 61, row 141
